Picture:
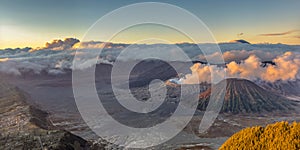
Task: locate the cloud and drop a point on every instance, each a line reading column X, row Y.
column 16, row 68
column 279, row 34
column 239, row 34
column 202, row 73
column 243, row 59
column 91, row 44
column 239, row 55
column 249, row 68
column 4, row 59
column 58, row 44
column 47, row 61
column 99, row 45
column 286, row 68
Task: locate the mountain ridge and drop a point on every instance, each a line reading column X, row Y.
column 24, row 126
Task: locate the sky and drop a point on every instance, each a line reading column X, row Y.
column 33, row 22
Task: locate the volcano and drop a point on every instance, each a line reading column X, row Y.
column 244, row 96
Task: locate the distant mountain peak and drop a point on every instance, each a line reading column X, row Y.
column 239, row 41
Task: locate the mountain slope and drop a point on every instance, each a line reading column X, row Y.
column 287, row 88
column 243, row 96
column 23, row 126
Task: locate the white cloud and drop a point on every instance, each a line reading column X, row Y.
column 286, row 68
column 243, row 59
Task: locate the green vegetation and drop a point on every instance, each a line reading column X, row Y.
column 280, row 135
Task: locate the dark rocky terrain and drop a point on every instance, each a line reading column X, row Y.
column 54, row 94
column 23, row 126
column 286, row 88
column 244, row 96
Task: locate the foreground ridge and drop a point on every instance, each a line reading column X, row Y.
column 280, row 135
column 23, row 126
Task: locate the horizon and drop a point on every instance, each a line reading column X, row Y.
column 184, row 42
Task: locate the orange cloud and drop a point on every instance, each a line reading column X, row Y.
column 286, row 68
column 4, row 59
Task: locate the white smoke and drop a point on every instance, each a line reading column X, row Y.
column 286, row 68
